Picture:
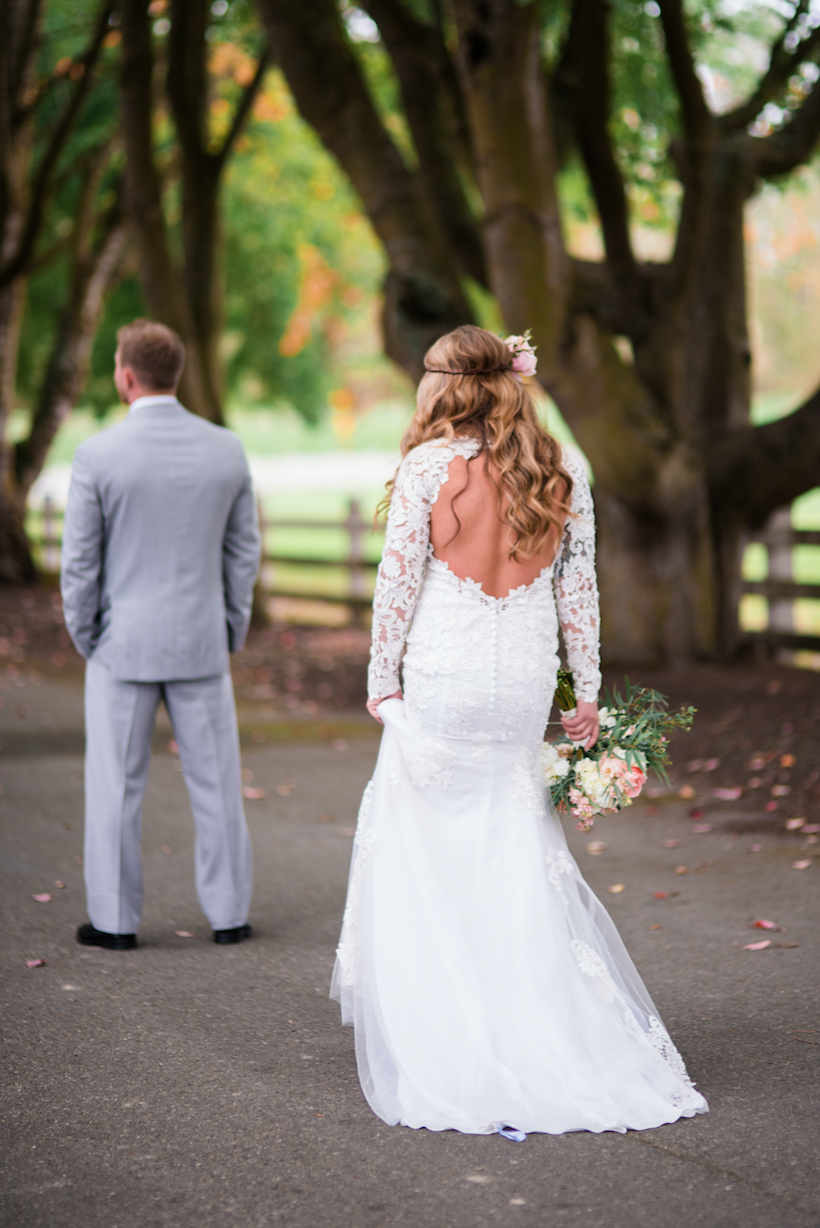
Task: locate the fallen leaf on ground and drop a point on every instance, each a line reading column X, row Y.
column 787, row 944
column 660, row 895
column 35, row 963
column 42, row 898
column 800, row 1039
column 758, row 946
column 794, row 824
column 711, row 765
column 184, row 934
column 686, row 792
column 754, row 782
column 247, row 774
column 617, row 888
column 780, row 790
column 671, row 844
column 755, row 848
column 787, row 761
column 59, row 884
column 656, row 927
column 681, row 869
column 72, row 988
column 727, row 795
column 595, row 847
column 796, row 865
column 757, row 764
column 478, row 1178
column 764, row 925
column 284, row 787
column 696, row 814
column 252, row 794
column 694, row 765
column 700, row 828
column 771, row 807
column 326, row 818
column 652, row 811
column 339, row 744
column 810, row 829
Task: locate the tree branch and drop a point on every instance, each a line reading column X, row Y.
column 245, row 103
column 791, row 145
column 584, row 78
column 782, row 65
column 15, row 265
column 423, row 293
column 697, row 118
column 759, row 469
column 421, row 62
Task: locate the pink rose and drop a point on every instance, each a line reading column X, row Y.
column 524, row 362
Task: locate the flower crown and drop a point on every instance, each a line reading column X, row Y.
column 523, row 362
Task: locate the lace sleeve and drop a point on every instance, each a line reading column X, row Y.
column 400, row 572
column 576, row 587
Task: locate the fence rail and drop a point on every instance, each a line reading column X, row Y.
column 779, row 589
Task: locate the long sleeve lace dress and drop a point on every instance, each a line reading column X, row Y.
column 486, row 984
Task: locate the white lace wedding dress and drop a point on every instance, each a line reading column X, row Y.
column 486, row 983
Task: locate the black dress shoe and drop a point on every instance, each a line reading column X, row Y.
column 238, row 934
column 90, row 937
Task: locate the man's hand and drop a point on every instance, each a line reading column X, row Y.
column 373, row 705
column 583, row 727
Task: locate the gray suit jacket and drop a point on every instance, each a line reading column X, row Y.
column 161, row 545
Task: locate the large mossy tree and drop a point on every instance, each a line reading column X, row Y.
column 650, row 362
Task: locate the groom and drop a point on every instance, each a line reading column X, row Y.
column 160, row 555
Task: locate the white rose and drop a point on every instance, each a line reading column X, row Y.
column 552, row 765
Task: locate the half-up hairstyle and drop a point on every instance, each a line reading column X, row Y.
column 470, row 389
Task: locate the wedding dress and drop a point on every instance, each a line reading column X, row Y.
column 487, row 985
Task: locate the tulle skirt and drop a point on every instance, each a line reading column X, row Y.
column 486, row 984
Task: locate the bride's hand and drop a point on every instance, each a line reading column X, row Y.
column 583, row 727
column 373, row 705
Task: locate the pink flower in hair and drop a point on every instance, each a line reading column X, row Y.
column 524, row 362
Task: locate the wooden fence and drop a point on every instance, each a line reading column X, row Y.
column 779, row 588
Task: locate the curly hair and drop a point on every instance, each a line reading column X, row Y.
column 470, row 389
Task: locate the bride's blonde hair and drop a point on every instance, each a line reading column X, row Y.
column 469, row 389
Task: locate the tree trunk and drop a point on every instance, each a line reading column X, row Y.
column 16, row 565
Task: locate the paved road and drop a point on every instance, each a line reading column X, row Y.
column 186, row 1085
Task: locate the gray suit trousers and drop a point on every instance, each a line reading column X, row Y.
column 120, row 720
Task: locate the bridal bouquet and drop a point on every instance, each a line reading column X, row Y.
column 632, row 742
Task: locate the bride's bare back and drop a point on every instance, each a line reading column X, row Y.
column 480, row 549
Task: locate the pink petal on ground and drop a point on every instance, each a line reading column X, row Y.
column 35, row 963
column 173, row 748
column 681, row 869
column 771, row 807
column 758, row 946
column 764, row 925
column 711, row 764
column 42, row 898
column 755, row 848
column 184, row 934
column 695, row 814
column 810, row 829
column 794, row 824
column 800, row 865
column 702, row 827
column 671, row 844
column 347, row 831
column 727, row 795
column 616, row 889
column 686, row 792
column 660, row 895
column 252, row 794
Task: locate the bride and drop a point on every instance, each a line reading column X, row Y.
column 488, row 987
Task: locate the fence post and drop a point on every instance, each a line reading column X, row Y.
column 259, row 612
column 51, row 554
column 781, row 609
column 356, row 526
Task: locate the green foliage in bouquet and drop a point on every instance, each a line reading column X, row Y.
column 633, row 741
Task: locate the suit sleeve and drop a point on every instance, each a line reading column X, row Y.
column 82, row 556
column 241, row 552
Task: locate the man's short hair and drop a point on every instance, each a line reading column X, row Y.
column 154, row 353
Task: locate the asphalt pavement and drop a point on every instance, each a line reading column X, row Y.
column 185, row 1085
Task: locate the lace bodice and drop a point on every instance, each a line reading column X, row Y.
column 407, row 551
